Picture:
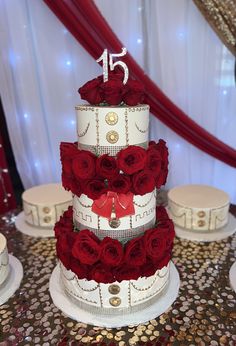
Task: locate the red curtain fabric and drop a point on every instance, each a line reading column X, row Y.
column 83, row 19
column 7, row 198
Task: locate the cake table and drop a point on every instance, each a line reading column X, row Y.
column 204, row 311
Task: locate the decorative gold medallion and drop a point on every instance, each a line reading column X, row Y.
column 112, row 137
column 46, row 210
column 47, row 219
column 201, row 213
column 114, row 223
column 111, row 118
column 115, row 301
column 201, row 223
column 114, row 289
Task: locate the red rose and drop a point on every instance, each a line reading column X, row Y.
column 134, row 93
column 155, row 243
column 131, row 159
column 80, row 269
column 161, row 178
column 154, row 161
column 126, row 272
column 95, row 188
column 106, row 166
column 163, row 261
column 120, row 184
column 68, row 214
column 63, row 247
column 143, row 182
column 86, row 247
column 148, row 269
column 135, row 253
column 92, row 92
column 83, row 165
column 167, row 227
column 161, row 213
column 76, row 187
column 111, row 252
column 66, row 181
column 68, row 152
column 113, row 91
column 102, row 273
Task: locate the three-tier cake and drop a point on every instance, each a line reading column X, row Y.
column 114, row 245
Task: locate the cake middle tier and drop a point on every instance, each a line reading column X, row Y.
column 107, row 130
column 124, row 228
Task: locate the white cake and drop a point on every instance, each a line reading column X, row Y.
column 198, row 207
column 44, row 204
column 4, row 261
column 117, row 297
column 109, row 129
column 114, row 246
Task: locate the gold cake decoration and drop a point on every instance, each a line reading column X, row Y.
column 111, row 118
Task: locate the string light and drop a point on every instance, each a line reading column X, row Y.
column 72, row 122
column 225, row 92
column 139, row 40
column 26, row 115
column 36, row 164
column 180, row 35
column 68, row 63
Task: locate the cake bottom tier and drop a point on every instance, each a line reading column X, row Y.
column 118, row 297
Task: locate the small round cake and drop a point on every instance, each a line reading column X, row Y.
column 4, row 261
column 44, row 204
column 198, row 207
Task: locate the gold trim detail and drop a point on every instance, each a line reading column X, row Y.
column 201, row 213
column 112, row 137
column 46, row 210
column 126, row 127
column 201, row 223
column 114, row 289
column 115, row 301
column 111, row 118
column 138, row 128
column 82, row 134
column 144, row 205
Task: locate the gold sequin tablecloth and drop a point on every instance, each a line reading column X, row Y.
column 203, row 314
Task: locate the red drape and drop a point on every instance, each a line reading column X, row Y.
column 7, row 198
column 85, row 22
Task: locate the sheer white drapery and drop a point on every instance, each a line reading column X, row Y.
column 43, row 66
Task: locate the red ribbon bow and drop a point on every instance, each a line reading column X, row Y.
column 114, row 204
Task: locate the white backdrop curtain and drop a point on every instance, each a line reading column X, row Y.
column 42, row 66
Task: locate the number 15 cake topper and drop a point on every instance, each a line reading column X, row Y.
column 112, row 65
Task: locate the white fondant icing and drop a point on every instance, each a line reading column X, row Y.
column 4, row 260
column 130, row 293
column 44, row 204
column 109, row 129
column 130, row 226
column 198, row 207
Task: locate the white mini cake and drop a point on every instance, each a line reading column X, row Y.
column 117, row 297
column 109, row 129
column 198, row 207
column 4, row 261
column 44, row 204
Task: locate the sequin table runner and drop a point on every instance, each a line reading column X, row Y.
column 203, row 314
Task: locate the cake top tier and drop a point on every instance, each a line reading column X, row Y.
column 198, row 196
column 46, row 194
column 3, row 242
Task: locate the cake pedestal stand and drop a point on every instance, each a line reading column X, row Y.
column 207, row 236
column 13, row 280
column 232, row 276
column 72, row 310
column 33, row 231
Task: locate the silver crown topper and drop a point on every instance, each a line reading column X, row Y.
column 112, row 65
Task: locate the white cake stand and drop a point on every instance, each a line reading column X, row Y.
column 72, row 310
column 232, row 276
column 33, row 231
column 218, row 234
column 12, row 282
